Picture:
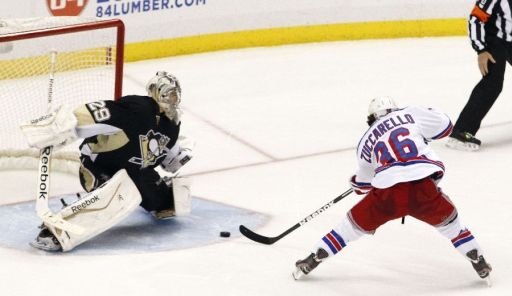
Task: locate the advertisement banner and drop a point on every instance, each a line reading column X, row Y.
column 156, row 19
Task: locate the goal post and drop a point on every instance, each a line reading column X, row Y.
column 79, row 59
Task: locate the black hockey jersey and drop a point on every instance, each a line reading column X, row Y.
column 128, row 133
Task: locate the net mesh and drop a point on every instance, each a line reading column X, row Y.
column 84, row 71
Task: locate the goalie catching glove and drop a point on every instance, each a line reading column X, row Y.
column 178, row 155
column 55, row 129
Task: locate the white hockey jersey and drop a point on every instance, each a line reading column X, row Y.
column 395, row 148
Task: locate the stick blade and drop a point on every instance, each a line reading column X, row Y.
column 256, row 237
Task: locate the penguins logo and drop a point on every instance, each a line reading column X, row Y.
column 152, row 148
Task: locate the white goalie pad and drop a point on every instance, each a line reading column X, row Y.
column 99, row 210
column 182, row 200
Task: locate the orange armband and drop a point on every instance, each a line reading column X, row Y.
column 480, row 14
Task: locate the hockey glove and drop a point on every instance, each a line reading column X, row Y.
column 360, row 187
column 172, row 162
column 55, row 129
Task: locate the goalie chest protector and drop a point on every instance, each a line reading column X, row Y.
column 144, row 137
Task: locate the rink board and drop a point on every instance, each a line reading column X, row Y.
column 140, row 232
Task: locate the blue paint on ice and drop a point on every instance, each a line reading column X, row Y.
column 139, row 232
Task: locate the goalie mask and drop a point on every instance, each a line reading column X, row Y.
column 379, row 107
column 165, row 89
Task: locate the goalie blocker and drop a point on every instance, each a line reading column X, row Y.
column 106, row 206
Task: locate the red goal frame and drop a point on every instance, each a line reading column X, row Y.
column 87, row 26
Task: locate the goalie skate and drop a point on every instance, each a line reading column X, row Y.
column 305, row 266
column 46, row 241
column 164, row 215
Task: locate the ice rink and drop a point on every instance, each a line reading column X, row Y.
column 275, row 131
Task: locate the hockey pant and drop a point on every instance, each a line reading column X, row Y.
column 156, row 195
column 420, row 199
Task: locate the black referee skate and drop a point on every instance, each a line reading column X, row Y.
column 463, row 141
column 46, row 241
column 306, row 265
column 479, row 264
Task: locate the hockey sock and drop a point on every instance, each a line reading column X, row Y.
column 461, row 237
column 337, row 239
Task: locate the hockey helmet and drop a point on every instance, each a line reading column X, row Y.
column 379, row 107
column 165, row 89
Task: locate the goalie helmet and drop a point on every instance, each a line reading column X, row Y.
column 379, row 107
column 165, row 89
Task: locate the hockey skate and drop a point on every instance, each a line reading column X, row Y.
column 164, row 214
column 482, row 268
column 463, row 141
column 305, row 266
column 46, row 241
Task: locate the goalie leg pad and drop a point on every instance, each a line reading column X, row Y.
column 99, row 210
column 181, row 191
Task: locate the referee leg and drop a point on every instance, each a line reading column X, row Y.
column 485, row 92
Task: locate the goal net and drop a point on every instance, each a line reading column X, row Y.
column 71, row 60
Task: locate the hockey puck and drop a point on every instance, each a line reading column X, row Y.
column 225, row 234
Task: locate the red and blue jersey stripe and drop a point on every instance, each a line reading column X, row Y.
column 411, row 161
column 446, row 132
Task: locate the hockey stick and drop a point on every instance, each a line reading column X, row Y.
column 270, row 240
column 43, row 182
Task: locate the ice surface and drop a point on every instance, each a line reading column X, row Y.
column 276, row 130
column 139, row 232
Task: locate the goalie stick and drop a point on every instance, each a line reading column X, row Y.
column 270, row 240
column 43, row 182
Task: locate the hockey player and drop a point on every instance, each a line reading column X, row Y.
column 134, row 134
column 398, row 172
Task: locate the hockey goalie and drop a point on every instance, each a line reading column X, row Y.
column 124, row 142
